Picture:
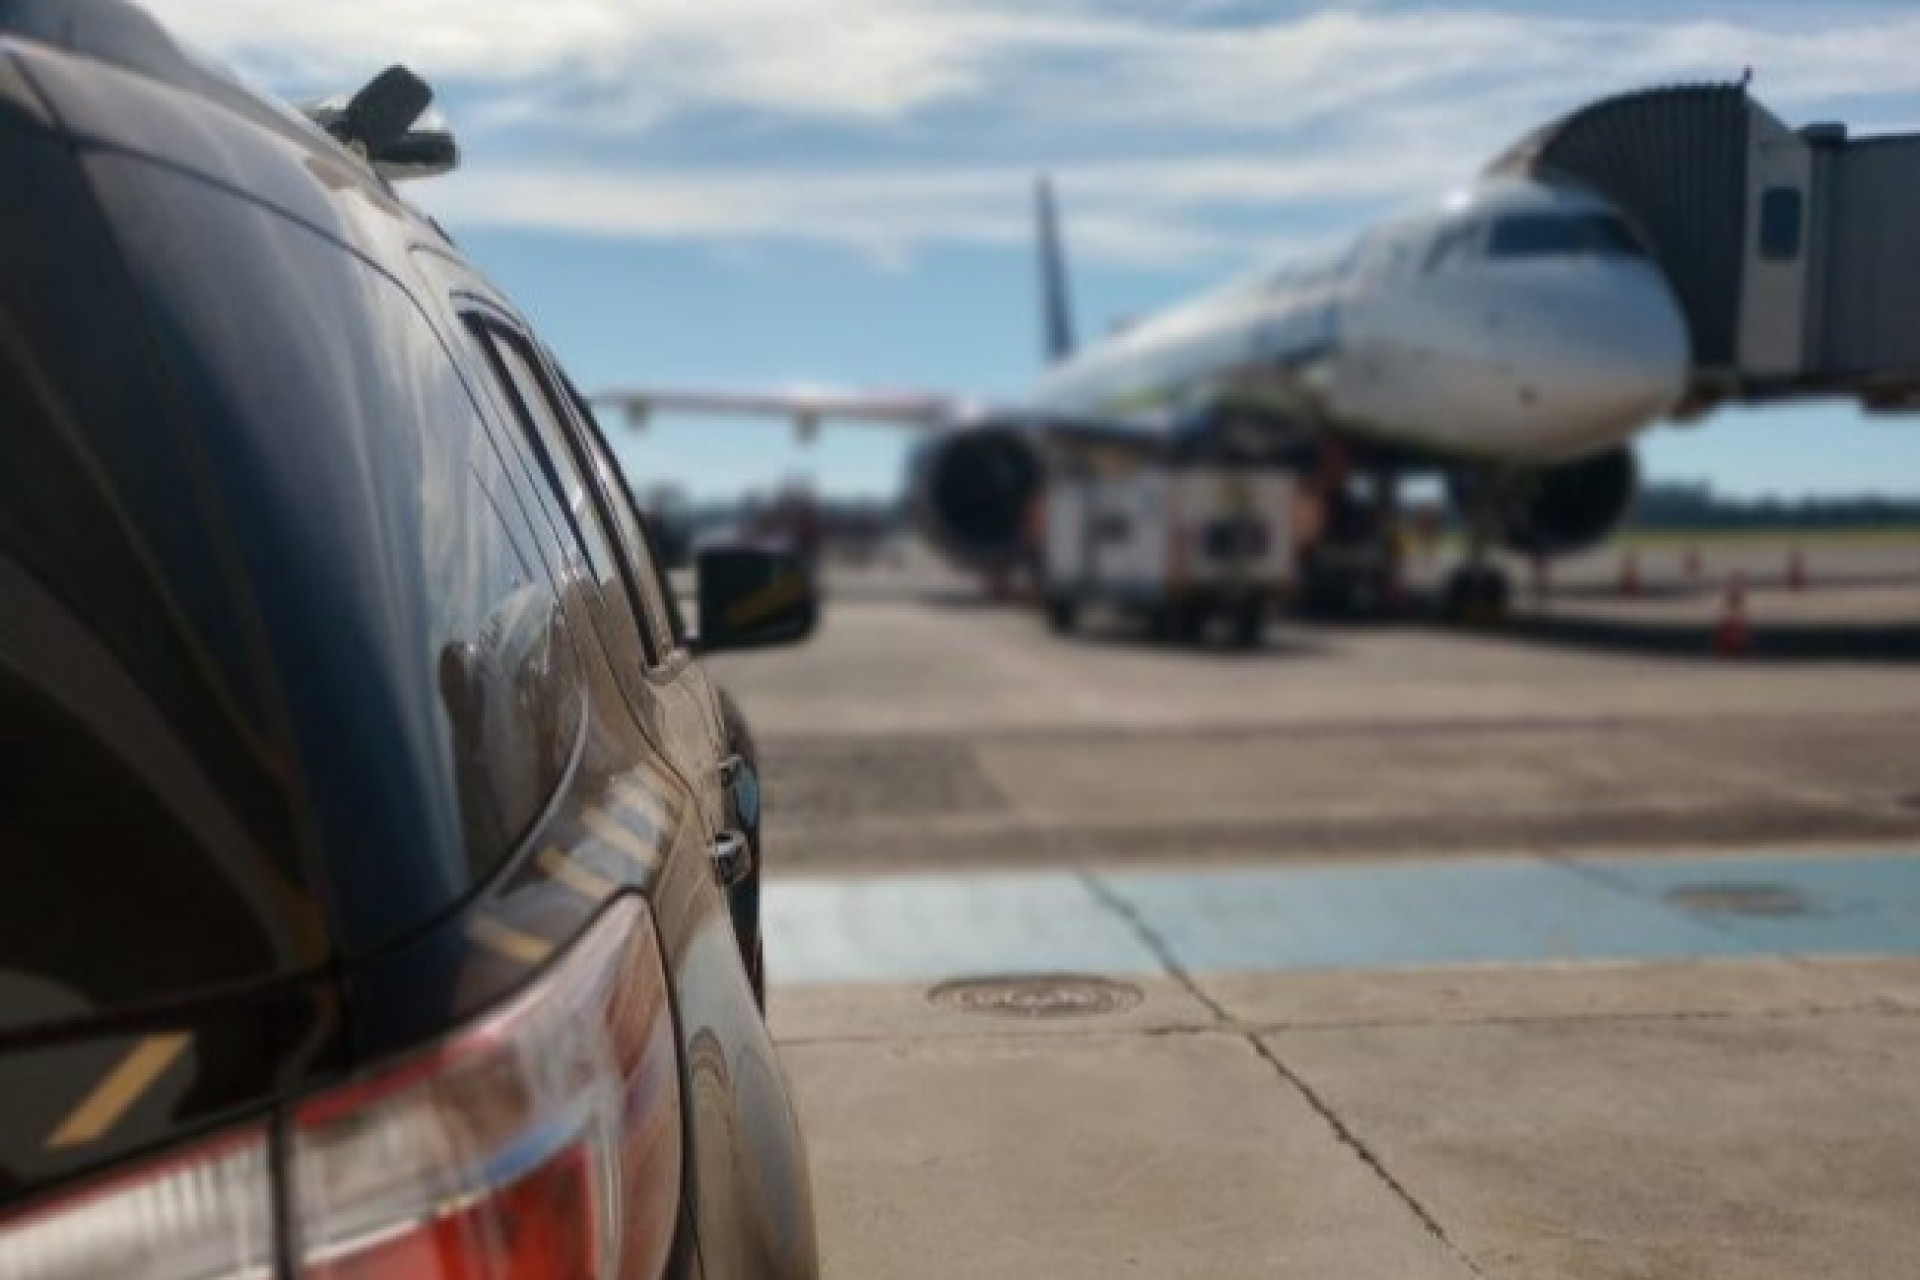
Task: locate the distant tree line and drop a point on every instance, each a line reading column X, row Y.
column 1661, row 506
column 1674, row 506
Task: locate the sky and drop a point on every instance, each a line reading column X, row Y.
column 734, row 193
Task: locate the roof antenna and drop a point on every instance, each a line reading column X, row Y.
column 388, row 126
column 381, row 113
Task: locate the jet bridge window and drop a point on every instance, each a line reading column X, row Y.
column 1780, row 223
column 1563, row 235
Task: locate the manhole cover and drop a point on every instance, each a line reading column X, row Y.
column 1046, row 995
column 1740, row 899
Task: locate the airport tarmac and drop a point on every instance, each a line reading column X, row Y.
column 1385, row 950
column 932, row 730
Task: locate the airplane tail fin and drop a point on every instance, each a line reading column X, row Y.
column 1055, row 301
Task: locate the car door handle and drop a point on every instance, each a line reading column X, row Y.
column 742, row 784
column 732, row 858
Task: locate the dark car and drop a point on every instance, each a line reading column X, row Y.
column 380, row 892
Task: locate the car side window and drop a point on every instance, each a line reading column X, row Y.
column 504, row 665
column 505, row 669
column 656, row 593
column 615, row 609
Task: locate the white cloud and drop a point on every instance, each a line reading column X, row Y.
column 855, row 58
column 1213, row 110
column 890, row 58
column 1144, row 213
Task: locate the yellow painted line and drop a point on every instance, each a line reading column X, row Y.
column 505, row 940
column 582, row 880
column 100, row 1110
column 645, row 801
column 609, row 829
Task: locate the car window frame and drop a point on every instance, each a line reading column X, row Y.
column 487, row 328
column 649, row 576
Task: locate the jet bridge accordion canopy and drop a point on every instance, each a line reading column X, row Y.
column 1795, row 255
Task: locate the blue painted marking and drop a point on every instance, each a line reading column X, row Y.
column 1866, row 904
column 1326, row 917
column 879, row 928
column 1406, row 914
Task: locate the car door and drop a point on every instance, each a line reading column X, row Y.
column 674, row 672
column 751, row 1194
column 635, row 630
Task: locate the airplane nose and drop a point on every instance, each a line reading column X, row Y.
column 1624, row 361
column 1646, row 354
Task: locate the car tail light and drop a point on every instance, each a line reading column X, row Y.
column 540, row 1143
column 195, row 1217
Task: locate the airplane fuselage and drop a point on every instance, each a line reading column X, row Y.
column 1516, row 323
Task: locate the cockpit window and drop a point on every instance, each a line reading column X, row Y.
column 1563, row 235
column 1454, row 244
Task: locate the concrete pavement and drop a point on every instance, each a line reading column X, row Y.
column 1707, row 1119
column 1388, row 951
column 1602, row 1069
column 949, row 734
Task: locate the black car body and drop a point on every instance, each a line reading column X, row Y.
column 375, row 899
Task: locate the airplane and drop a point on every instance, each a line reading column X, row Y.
column 1512, row 338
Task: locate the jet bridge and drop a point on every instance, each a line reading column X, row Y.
column 1795, row 254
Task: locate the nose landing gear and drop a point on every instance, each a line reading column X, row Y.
column 1479, row 592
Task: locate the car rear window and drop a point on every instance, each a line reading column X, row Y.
column 148, row 824
column 416, row 647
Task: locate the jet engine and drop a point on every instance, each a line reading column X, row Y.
column 973, row 489
column 1559, row 510
column 1570, row 507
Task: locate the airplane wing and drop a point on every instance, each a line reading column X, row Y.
column 807, row 407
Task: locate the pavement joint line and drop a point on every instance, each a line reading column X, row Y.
column 1351, row 1140
column 1234, row 1028
column 1016, row 1031
column 1581, row 855
column 1149, row 937
column 1342, row 727
column 1875, row 1006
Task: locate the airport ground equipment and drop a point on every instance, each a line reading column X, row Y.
column 1182, row 545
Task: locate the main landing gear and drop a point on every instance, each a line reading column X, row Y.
column 1478, row 593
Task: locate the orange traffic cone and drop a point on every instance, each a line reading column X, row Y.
column 1630, row 575
column 1733, row 636
column 1796, row 571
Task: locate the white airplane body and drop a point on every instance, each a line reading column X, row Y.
column 1518, row 329
column 1429, row 333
